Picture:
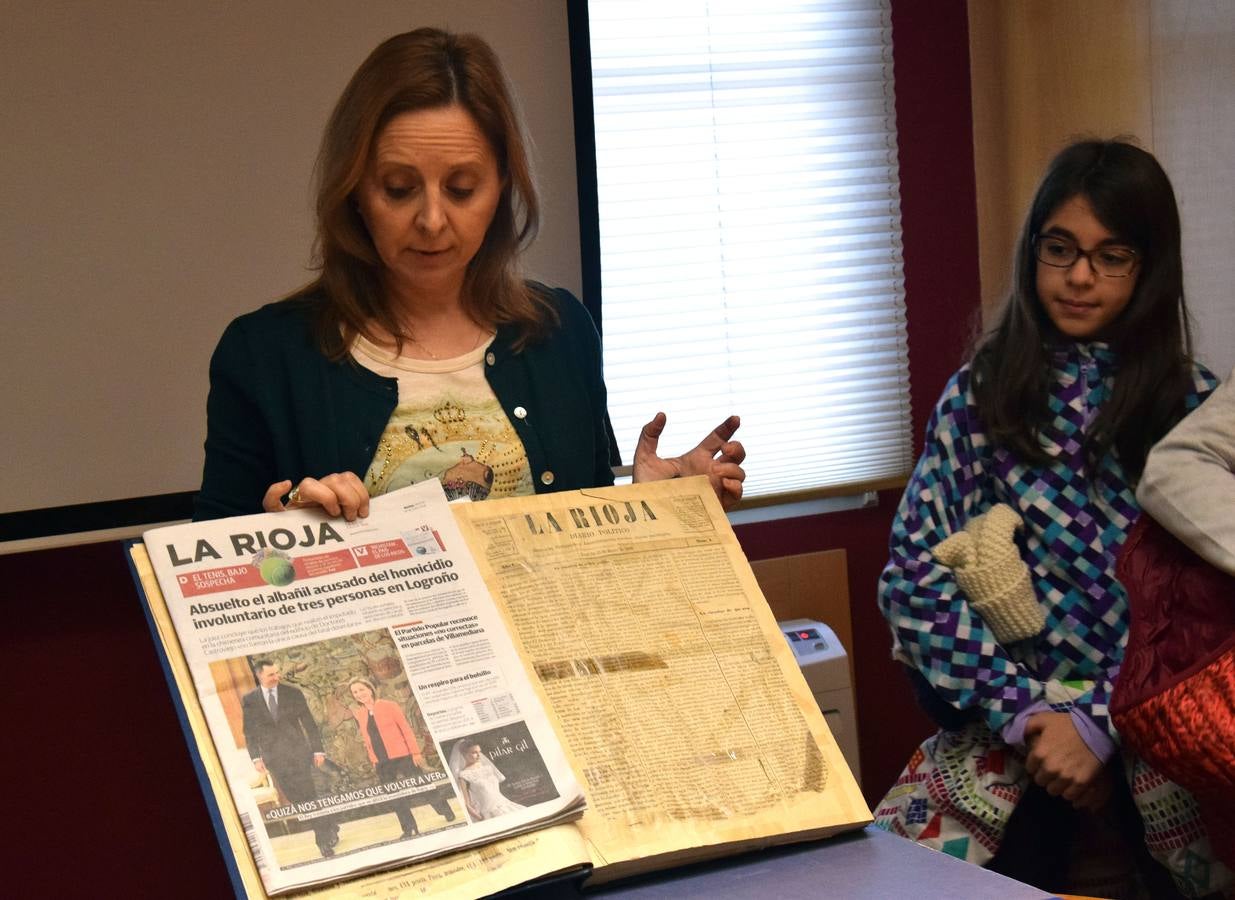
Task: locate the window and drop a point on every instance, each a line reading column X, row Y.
column 750, row 234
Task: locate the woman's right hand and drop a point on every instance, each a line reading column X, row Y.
column 340, row 494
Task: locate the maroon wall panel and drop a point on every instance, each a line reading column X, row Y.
column 97, row 761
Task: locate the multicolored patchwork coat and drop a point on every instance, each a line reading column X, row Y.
column 1075, row 521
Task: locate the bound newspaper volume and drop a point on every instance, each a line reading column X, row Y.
column 449, row 682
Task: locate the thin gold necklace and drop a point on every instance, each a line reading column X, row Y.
column 433, row 356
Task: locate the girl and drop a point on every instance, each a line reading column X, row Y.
column 1089, row 365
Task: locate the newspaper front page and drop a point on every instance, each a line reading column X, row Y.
column 365, row 700
column 674, row 690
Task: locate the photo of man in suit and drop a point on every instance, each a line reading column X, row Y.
column 283, row 739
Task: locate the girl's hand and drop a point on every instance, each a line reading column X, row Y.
column 1095, row 797
column 716, row 456
column 340, row 494
column 1059, row 759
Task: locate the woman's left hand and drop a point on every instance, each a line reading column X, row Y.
column 716, row 456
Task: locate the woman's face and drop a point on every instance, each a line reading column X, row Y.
column 428, row 196
column 473, row 754
column 1079, row 302
column 361, row 694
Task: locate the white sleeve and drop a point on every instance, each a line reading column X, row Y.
column 1189, row 480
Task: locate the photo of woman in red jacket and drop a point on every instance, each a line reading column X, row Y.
column 393, row 749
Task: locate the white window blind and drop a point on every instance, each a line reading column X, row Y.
column 750, row 233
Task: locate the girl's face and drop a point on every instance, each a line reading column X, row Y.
column 1079, row 302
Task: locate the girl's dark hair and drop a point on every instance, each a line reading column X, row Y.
column 1131, row 196
column 423, row 69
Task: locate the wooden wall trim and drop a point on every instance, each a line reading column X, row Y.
column 1044, row 73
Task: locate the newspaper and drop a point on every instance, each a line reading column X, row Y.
column 675, row 693
column 366, row 703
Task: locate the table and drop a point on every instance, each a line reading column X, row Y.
column 867, row 865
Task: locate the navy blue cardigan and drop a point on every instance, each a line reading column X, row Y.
column 278, row 409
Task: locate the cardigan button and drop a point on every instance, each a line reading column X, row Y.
column 546, row 477
column 520, row 412
column 490, row 357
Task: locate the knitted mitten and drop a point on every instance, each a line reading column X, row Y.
column 990, row 571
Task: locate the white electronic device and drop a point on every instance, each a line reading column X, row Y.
column 825, row 666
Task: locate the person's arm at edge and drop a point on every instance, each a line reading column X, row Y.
column 1188, row 485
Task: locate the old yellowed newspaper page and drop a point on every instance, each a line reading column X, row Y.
column 677, row 697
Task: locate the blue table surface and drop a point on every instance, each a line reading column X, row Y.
column 864, row 864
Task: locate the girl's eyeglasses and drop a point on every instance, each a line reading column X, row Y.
column 1062, row 252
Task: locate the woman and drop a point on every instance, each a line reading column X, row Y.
column 480, row 782
column 419, row 344
column 393, row 748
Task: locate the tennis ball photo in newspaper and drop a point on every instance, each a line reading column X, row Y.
column 275, row 567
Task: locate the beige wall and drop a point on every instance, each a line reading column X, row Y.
column 1044, row 72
